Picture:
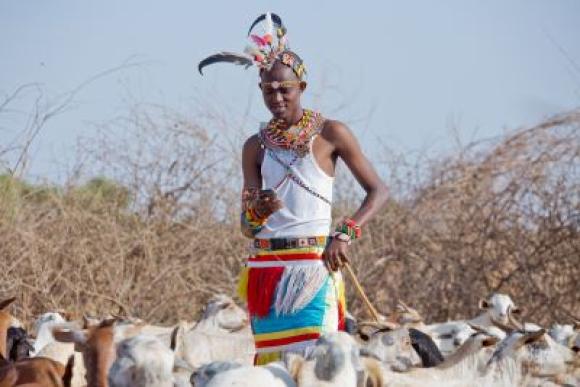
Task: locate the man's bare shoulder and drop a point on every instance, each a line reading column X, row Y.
column 252, row 144
column 336, row 132
column 254, row 139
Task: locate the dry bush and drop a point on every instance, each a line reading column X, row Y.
column 85, row 249
column 499, row 216
column 494, row 217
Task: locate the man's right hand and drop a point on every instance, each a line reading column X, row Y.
column 267, row 203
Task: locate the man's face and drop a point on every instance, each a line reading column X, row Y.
column 281, row 90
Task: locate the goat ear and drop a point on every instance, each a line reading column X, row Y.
column 4, row 304
column 69, row 335
column 365, row 332
column 483, row 304
column 489, row 341
column 294, row 363
column 67, row 314
column 177, row 337
column 89, row 322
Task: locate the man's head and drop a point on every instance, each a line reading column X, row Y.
column 282, row 86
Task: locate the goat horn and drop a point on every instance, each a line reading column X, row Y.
column 507, row 329
column 4, row 304
column 403, row 306
column 371, row 324
column 514, row 321
column 379, row 325
column 478, row 328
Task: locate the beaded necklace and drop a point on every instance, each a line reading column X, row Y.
column 297, row 137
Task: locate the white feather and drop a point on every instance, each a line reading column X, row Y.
column 252, row 51
column 269, row 24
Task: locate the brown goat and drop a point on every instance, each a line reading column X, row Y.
column 97, row 345
column 5, row 322
column 39, row 372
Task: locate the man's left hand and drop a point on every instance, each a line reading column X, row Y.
column 336, row 255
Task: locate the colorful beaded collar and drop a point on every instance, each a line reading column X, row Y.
column 295, row 138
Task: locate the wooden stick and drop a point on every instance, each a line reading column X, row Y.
column 361, row 292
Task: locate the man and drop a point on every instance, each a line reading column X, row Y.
column 292, row 284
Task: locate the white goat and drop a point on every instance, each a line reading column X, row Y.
column 561, row 333
column 393, row 349
column 142, row 361
column 462, row 368
column 226, row 374
column 223, row 333
column 334, row 361
column 567, row 335
column 538, row 353
column 450, row 335
column 43, row 328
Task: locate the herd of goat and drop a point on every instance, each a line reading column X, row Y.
column 492, row 349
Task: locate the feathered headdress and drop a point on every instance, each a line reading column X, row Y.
column 264, row 49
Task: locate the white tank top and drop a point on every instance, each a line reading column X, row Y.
column 303, row 214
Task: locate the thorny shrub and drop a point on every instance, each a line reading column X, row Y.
column 495, row 216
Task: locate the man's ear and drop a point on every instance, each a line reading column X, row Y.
column 303, row 85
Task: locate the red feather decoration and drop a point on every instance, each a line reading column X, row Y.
column 261, row 42
column 262, row 284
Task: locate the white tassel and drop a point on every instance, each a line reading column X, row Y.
column 298, row 286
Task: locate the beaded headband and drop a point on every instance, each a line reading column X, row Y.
column 265, row 50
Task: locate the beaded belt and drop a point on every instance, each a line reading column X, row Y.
column 290, row 243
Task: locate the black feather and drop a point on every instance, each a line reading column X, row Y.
column 228, row 57
column 425, row 348
column 277, row 20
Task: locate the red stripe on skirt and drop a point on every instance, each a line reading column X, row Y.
column 287, row 340
column 285, row 257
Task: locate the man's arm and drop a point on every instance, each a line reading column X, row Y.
column 348, row 149
column 251, row 164
column 257, row 204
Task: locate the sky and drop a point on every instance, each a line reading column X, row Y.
column 411, row 75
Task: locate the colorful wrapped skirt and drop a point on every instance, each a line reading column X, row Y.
column 292, row 299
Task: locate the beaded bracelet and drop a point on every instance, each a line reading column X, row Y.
column 342, row 237
column 350, row 228
column 251, row 221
